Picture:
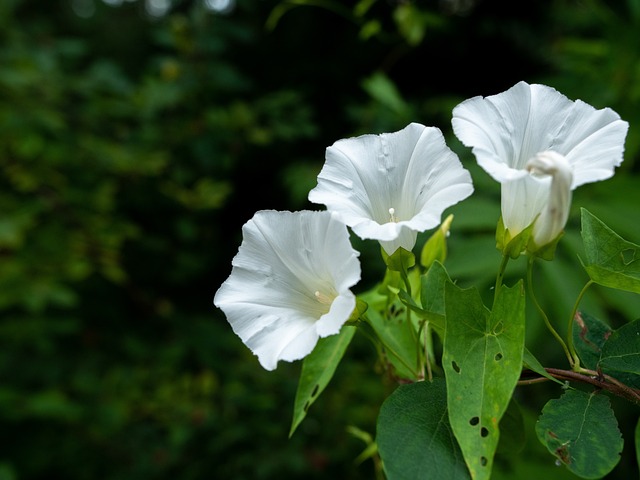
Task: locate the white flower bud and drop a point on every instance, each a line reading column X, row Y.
column 554, row 214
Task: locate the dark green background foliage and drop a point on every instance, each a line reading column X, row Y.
column 134, row 147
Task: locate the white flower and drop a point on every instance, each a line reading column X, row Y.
column 391, row 186
column 290, row 283
column 540, row 146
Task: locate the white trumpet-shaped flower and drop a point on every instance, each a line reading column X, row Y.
column 290, row 283
column 540, row 146
column 391, row 186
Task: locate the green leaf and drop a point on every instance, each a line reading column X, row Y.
column 435, row 248
column 637, row 442
column 317, row 370
column 432, row 285
column 431, row 297
column 414, row 436
column 589, row 335
column 359, row 311
column 399, row 342
column 382, row 89
column 610, row 260
column 532, row 462
column 512, row 435
column 482, row 359
column 581, row 430
column 533, row 364
column 621, row 351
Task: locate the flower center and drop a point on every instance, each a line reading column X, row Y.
column 392, row 215
column 323, row 298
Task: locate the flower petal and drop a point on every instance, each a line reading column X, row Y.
column 522, row 201
column 411, row 171
column 592, row 142
column 534, row 123
column 290, row 283
column 507, row 129
column 405, row 239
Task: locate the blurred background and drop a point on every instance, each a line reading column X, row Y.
column 138, row 136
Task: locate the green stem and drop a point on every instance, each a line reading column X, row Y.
column 428, row 346
column 541, row 311
column 500, row 276
column 572, row 348
column 405, row 278
column 416, row 338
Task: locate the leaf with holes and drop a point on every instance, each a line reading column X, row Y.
column 317, row 370
column 610, row 260
column 414, row 436
column 581, row 431
column 482, row 359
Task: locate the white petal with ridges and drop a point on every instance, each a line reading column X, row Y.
column 285, row 263
column 411, row 171
column 508, row 130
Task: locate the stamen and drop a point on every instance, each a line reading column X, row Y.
column 392, row 214
column 322, row 298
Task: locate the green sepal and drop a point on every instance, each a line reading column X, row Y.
column 546, row 252
column 399, row 261
column 435, row 248
column 512, row 246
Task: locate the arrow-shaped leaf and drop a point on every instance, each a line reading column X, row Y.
column 317, row 370
column 610, row 260
column 621, row 351
column 414, row 436
column 482, row 359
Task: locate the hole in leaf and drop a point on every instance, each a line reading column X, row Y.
column 484, row 432
column 474, row 421
column 483, row 461
column 315, row 390
column 306, row 406
column 628, row 256
column 456, row 367
column 498, row 357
